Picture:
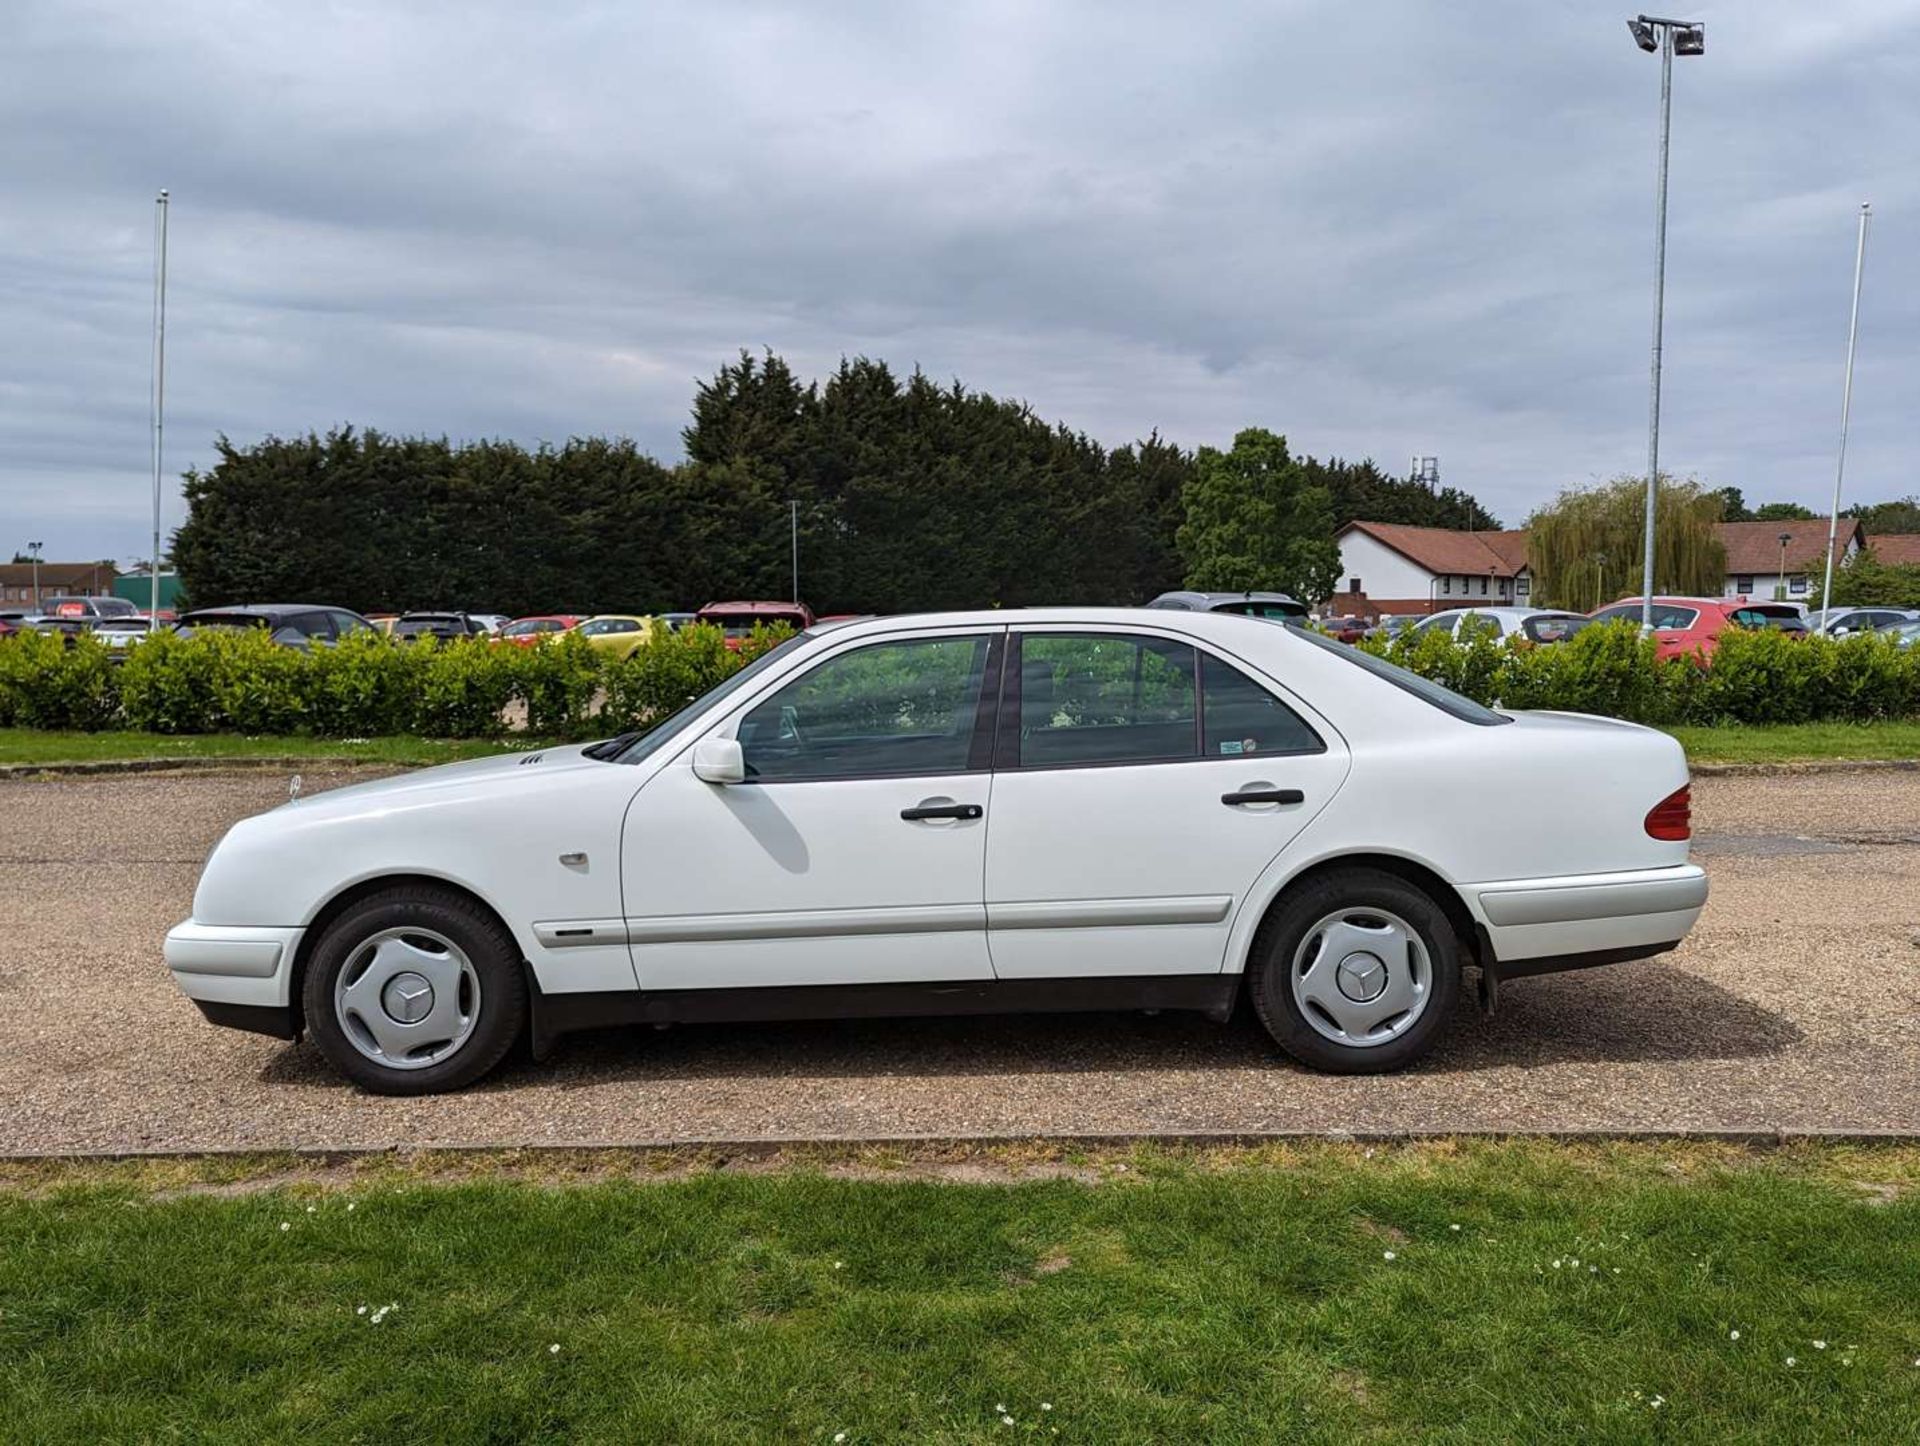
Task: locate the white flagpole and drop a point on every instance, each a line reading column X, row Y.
column 1846, row 409
column 159, row 398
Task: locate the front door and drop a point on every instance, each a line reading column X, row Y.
column 1142, row 785
column 852, row 853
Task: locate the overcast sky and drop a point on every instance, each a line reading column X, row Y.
column 1383, row 229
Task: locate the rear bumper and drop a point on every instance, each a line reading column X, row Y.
column 1568, row 922
column 232, row 965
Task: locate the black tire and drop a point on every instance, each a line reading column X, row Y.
column 1271, row 959
column 498, row 1023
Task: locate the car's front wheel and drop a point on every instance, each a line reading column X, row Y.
column 1356, row 972
column 414, row 990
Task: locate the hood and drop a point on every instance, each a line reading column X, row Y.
column 499, row 771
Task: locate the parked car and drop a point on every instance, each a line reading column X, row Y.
column 1392, row 625
column 1345, row 630
column 7, row 629
column 119, row 634
column 616, row 634
column 738, row 619
column 1532, row 625
column 1691, row 626
column 88, row 607
column 490, row 623
column 1185, row 811
column 1840, row 622
column 427, row 627
column 673, row 622
column 294, row 625
column 525, row 632
column 1253, row 604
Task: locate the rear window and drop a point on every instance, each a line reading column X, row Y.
column 1425, row 689
column 1283, row 611
column 1553, row 630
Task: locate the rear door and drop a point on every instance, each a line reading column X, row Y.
column 1141, row 785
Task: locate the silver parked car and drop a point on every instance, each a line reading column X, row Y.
column 1253, row 604
column 1533, row 625
column 1840, row 622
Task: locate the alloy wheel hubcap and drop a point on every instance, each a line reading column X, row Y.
column 407, row 998
column 1362, row 977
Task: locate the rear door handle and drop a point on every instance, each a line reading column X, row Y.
column 942, row 810
column 1264, row 795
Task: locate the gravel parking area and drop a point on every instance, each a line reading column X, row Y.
column 1794, row 1006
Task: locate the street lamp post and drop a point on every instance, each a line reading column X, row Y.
column 33, row 551
column 793, row 522
column 1780, row 593
column 1669, row 38
column 159, row 383
column 1846, row 405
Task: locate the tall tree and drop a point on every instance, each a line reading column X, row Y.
column 1901, row 515
column 1255, row 519
column 1733, row 504
column 1586, row 548
column 1782, row 512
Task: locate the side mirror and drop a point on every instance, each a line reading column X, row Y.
column 719, row 760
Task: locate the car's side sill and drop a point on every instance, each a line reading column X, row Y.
column 558, row 1014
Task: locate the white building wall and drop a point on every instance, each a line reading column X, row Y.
column 1383, row 573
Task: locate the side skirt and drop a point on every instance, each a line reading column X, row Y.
column 555, row 1015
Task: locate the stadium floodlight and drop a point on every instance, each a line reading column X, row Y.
column 1670, row 38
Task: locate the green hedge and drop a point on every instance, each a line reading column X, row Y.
column 1754, row 677
column 366, row 687
column 371, row 687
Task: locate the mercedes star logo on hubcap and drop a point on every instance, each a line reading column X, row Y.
column 1361, row 977
column 408, row 998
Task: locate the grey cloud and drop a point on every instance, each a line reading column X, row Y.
column 1381, row 229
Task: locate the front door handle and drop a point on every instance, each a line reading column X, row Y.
column 1264, row 795
column 942, row 810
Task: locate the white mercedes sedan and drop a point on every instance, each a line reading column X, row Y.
column 1061, row 809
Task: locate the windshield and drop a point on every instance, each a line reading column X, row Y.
column 1666, row 616
column 1425, row 689
column 1554, row 628
column 675, row 722
column 532, row 625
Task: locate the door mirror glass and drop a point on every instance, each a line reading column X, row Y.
column 719, row 760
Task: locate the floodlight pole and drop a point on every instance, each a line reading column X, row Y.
column 793, row 519
column 159, row 385
column 1846, row 407
column 1659, row 322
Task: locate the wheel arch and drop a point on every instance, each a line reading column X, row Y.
column 344, row 899
column 1421, row 875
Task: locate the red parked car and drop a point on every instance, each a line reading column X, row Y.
column 1691, row 626
column 739, row 619
column 525, row 632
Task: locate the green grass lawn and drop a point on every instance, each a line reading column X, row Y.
column 34, row 745
column 1517, row 1291
column 1799, row 742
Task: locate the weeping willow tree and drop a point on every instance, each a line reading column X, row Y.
column 1586, row 548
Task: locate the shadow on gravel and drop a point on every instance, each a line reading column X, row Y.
column 1623, row 1014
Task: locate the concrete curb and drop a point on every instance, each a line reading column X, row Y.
column 764, row 1148
column 1819, row 765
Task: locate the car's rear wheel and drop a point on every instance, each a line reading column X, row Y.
column 1355, row 971
column 415, row 990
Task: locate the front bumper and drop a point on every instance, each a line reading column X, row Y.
column 240, row 976
column 1536, row 925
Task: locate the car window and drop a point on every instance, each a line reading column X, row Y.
column 1105, row 698
column 1552, row 629
column 348, row 624
column 891, row 708
column 1478, row 625
column 313, row 625
column 1425, row 689
column 1239, row 716
column 1284, row 611
column 1443, row 623
column 1666, row 616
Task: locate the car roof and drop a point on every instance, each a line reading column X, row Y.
column 1203, row 601
column 753, row 607
column 262, row 610
column 616, row 618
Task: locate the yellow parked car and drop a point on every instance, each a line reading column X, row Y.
column 616, row 634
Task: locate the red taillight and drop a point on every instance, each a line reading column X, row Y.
column 1672, row 817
